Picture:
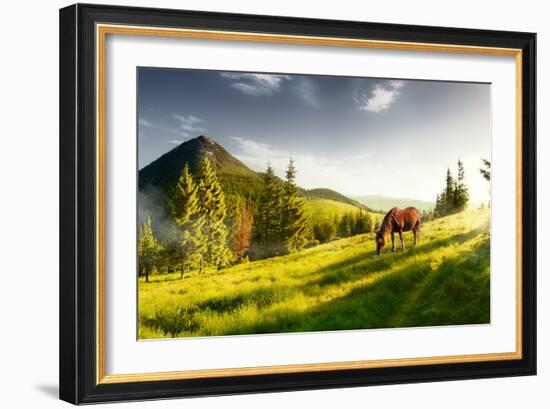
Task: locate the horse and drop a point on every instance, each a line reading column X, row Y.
column 397, row 221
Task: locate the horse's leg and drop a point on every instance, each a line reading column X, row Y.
column 402, row 241
column 415, row 233
column 392, row 241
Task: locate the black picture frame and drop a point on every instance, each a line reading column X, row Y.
column 78, row 257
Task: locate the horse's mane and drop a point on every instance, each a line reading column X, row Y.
column 388, row 218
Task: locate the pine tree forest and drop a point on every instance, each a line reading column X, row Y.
column 212, row 229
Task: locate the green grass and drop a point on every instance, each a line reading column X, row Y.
column 335, row 286
column 320, row 210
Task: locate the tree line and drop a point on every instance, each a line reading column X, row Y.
column 198, row 238
column 347, row 225
column 215, row 229
column 204, row 237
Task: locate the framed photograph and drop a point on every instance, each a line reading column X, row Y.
column 258, row 203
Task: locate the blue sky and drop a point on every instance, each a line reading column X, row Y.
column 359, row 136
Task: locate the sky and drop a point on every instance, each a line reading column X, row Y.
column 358, row 136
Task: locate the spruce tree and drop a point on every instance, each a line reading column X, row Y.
column 345, row 226
column 485, row 170
column 213, row 231
column 324, row 231
column 295, row 226
column 148, row 248
column 449, row 192
column 185, row 203
column 462, row 195
column 188, row 244
column 437, row 209
column 267, row 229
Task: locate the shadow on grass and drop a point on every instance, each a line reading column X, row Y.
column 388, row 302
column 359, row 267
column 463, row 300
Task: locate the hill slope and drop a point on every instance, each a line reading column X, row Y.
column 335, row 286
column 235, row 177
column 322, row 210
column 324, row 193
column 384, row 203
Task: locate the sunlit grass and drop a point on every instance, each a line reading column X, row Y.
column 323, row 210
column 334, row 286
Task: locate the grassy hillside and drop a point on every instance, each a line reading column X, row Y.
column 383, row 203
column 325, row 209
column 323, row 193
column 336, row 286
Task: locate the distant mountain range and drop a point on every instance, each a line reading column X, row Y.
column 235, row 177
column 384, row 203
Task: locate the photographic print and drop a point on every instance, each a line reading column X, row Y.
column 284, row 203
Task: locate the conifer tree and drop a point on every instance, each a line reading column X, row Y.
column 188, row 243
column 449, row 192
column 324, row 231
column 148, row 248
column 462, row 195
column 295, row 225
column 213, row 231
column 185, row 203
column 267, row 230
column 485, row 170
column 455, row 195
column 345, row 226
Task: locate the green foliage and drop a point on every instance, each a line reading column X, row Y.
column 324, row 231
column 165, row 171
column 210, row 219
column 187, row 245
column 362, row 223
column 267, row 227
column 235, row 178
column 339, row 285
column 148, row 249
column 185, row 202
column 295, row 226
column 455, row 196
column 461, row 193
column 320, row 210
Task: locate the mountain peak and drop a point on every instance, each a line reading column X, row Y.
column 204, row 139
column 165, row 170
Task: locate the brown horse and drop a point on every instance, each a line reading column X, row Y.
column 398, row 221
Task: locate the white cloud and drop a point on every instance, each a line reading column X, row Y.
column 189, row 125
column 396, row 84
column 256, row 84
column 381, row 97
column 313, row 171
column 175, row 141
column 144, row 122
column 306, row 90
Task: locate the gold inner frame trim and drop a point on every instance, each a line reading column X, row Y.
column 101, row 33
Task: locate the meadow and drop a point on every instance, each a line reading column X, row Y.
column 340, row 285
column 320, row 210
column 323, row 210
